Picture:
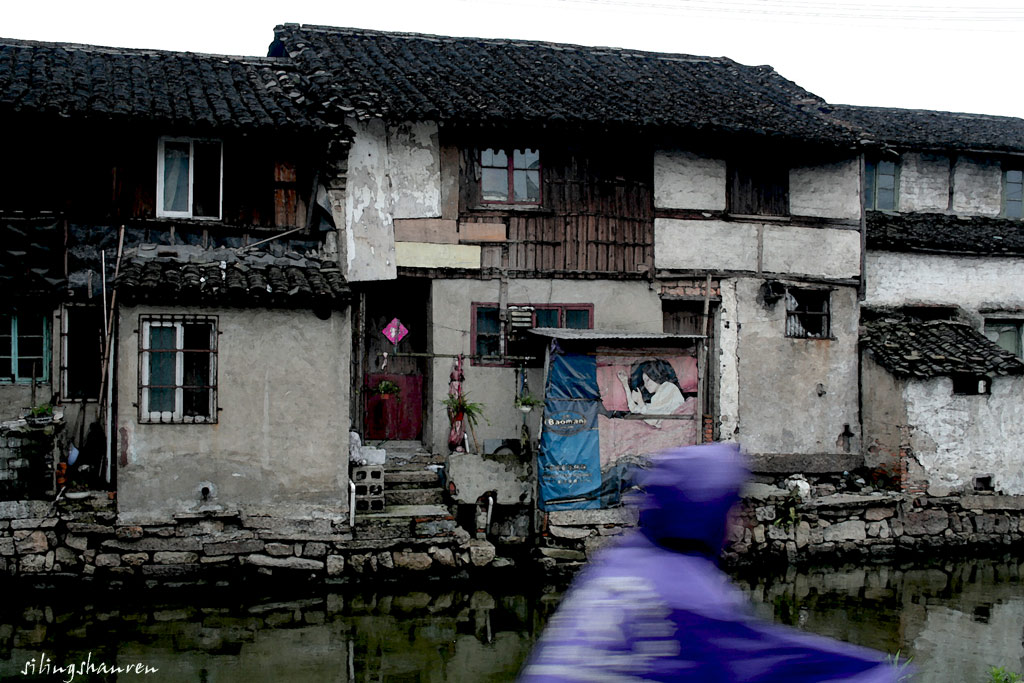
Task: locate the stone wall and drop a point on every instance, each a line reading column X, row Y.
column 82, row 538
column 26, row 458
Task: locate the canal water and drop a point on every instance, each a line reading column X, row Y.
column 955, row 619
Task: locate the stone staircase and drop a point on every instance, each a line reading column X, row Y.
column 408, row 479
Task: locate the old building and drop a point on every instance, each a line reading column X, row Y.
column 169, row 277
column 943, row 305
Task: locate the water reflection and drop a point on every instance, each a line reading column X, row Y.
column 955, row 619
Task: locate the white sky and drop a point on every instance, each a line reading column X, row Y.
column 950, row 55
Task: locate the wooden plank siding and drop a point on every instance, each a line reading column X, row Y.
column 596, row 213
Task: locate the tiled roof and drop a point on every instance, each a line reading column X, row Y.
column 31, row 257
column 403, row 76
column 232, row 284
column 936, row 130
column 942, row 233
column 936, row 349
column 171, row 88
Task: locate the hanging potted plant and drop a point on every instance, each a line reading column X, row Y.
column 461, row 408
column 40, row 415
column 387, row 390
column 526, row 402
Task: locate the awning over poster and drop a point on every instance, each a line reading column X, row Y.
column 611, row 399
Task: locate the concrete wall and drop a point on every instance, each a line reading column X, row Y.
column 884, row 415
column 617, row 306
column 972, row 283
column 923, row 183
column 826, row 190
column 755, row 247
column 280, row 445
column 957, row 438
column 683, row 180
column 795, row 396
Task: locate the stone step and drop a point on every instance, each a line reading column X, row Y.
column 395, row 480
column 414, row 497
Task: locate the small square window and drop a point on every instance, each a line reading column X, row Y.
column 510, row 176
column 971, row 385
column 1013, row 193
column 24, row 348
column 1008, row 334
column 880, row 185
column 808, row 314
column 758, row 187
column 178, row 369
column 189, row 178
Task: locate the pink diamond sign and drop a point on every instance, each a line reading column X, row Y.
column 395, row 331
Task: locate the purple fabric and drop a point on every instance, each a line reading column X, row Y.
column 655, row 606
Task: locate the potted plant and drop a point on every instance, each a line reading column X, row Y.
column 387, row 389
column 40, row 415
column 461, row 408
column 526, row 402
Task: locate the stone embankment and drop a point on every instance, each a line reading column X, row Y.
column 81, row 538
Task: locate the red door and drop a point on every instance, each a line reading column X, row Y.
column 398, row 417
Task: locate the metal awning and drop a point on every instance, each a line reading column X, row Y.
column 566, row 334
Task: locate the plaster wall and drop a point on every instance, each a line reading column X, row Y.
column 429, row 255
column 796, row 396
column 626, row 306
column 414, row 162
column 816, row 252
column 973, row 283
column 684, row 180
column 884, row 414
column 924, row 182
column 957, row 438
column 705, row 245
column 369, row 208
column 977, row 187
column 826, row 190
column 728, row 349
column 280, row 446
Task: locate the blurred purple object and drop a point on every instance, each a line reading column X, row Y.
column 656, row 607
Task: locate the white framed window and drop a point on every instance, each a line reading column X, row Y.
column 178, row 369
column 189, row 178
column 24, row 348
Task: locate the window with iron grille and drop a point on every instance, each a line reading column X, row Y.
column 808, row 314
column 178, row 369
column 880, row 183
column 24, row 348
column 492, row 341
column 510, row 176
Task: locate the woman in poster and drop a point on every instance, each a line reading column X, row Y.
column 652, row 388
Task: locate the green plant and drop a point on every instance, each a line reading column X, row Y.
column 786, row 514
column 42, row 410
column 901, row 666
column 385, row 387
column 459, row 404
column 1001, row 675
column 528, row 401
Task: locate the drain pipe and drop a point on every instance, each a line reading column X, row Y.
column 490, row 509
column 351, row 503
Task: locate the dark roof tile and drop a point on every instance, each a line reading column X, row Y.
column 936, row 349
column 943, row 233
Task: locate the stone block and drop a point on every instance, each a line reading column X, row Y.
column 878, row 514
column 175, row 558
column 411, row 561
column 563, row 554
column 284, row 562
column 216, row 559
column 31, row 542
column 33, row 564
column 34, row 523
column 481, row 552
column 6, row 546
column 335, row 565
column 108, row 560
column 926, row 522
column 385, row 561
column 765, row 513
column 128, row 532
column 570, row 532
column 135, row 559
column 434, row 527
column 76, row 542
column 234, row 547
column 88, row 528
column 594, row 543
column 444, row 557
column 278, row 549
column 803, row 534
column 758, row 534
column 621, row 515
column 66, row 557
column 314, row 549
column 853, row 530
column 188, row 544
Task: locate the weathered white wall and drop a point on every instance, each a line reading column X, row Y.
column 631, row 306
column 884, row 415
column 815, row 252
column 795, row 395
column 705, row 245
column 429, row 255
column 827, row 190
column 895, row 279
column 369, row 231
column 280, row 446
column 755, row 247
column 415, row 167
column 924, row 182
column 977, row 187
column 958, row 438
column 727, row 336
column 684, row 180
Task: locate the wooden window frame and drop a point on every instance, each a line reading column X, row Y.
column 66, row 332
column 14, row 377
column 510, row 169
column 757, row 187
column 503, row 340
column 161, row 157
column 797, row 313
column 176, row 416
column 871, row 185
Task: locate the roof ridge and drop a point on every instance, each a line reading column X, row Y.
column 904, row 110
column 144, row 51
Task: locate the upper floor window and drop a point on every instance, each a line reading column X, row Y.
column 189, row 178
column 808, row 314
column 491, row 341
column 880, row 185
column 758, row 187
column 510, row 176
column 178, row 369
column 24, row 348
column 1013, row 193
column 1008, row 334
